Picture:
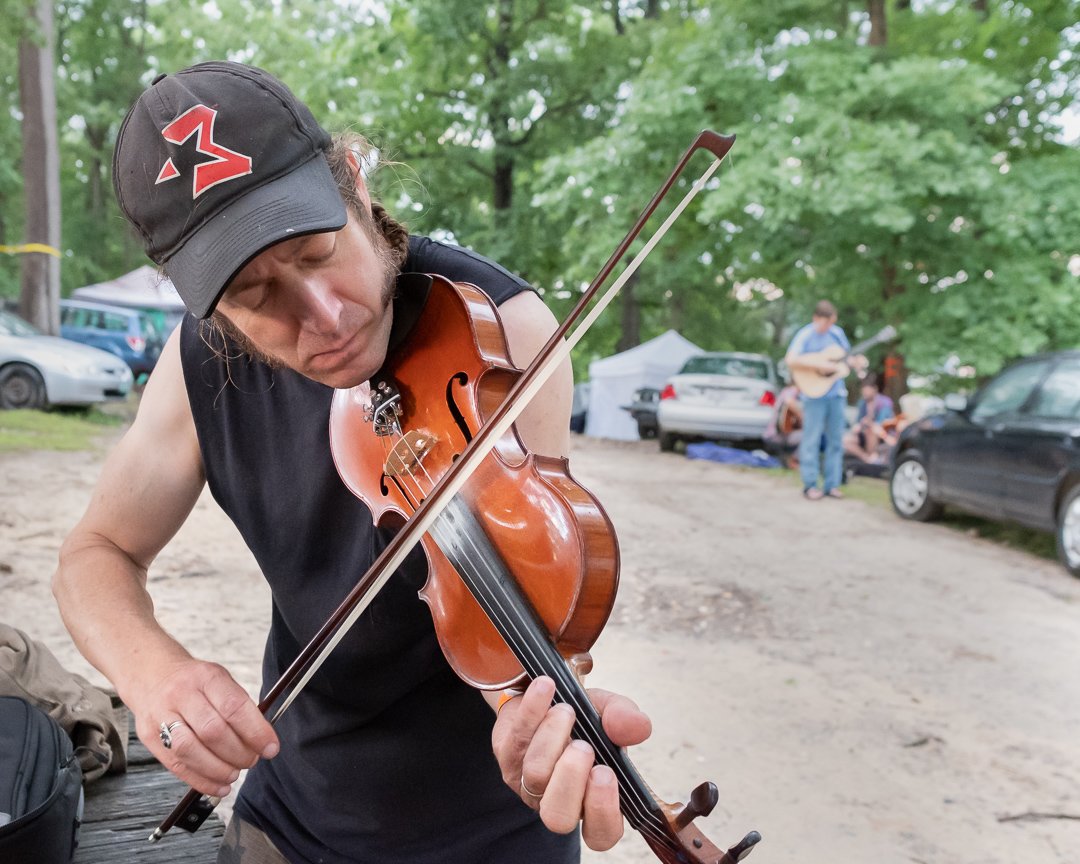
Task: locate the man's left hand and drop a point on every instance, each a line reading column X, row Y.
column 557, row 775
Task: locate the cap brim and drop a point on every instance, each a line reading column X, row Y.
column 304, row 201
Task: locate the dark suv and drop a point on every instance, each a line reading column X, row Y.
column 128, row 333
column 1011, row 453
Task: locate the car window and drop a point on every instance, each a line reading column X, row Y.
column 739, row 366
column 149, row 329
column 1009, row 390
column 1059, row 395
column 116, row 323
column 76, row 317
column 12, row 325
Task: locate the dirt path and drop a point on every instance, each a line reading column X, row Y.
column 861, row 689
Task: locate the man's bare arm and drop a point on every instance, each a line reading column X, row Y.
column 544, row 426
column 148, row 487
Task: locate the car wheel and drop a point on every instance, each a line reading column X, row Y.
column 667, row 441
column 21, row 387
column 1068, row 531
column 909, row 489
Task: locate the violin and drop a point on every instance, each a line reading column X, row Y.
column 523, row 562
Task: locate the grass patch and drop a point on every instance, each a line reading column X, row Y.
column 1039, row 543
column 59, row 429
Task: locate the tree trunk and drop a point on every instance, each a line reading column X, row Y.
column 982, row 8
column 894, row 383
column 503, row 176
column 878, row 30
column 39, row 300
column 620, row 28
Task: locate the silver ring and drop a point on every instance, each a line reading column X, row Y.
column 528, row 791
column 165, row 733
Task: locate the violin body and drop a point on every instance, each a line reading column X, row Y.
column 558, row 538
column 523, row 563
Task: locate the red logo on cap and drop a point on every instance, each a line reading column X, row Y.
column 226, row 165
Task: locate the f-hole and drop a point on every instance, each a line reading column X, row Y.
column 461, row 379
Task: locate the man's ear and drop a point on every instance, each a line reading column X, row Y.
column 353, row 158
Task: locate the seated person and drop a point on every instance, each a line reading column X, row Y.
column 782, row 435
column 875, row 429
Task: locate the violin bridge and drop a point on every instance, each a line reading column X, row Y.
column 407, row 455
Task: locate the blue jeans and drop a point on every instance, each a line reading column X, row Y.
column 822, row 417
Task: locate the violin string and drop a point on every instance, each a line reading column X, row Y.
column 637, row 809
column 534, row 660
column 640, row 808
column 645, row 816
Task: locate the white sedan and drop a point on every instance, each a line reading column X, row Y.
column 38, row 370
column 720, row 396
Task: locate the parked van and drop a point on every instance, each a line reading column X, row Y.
column 129, row 334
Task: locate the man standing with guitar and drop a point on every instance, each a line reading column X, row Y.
column 818, row 358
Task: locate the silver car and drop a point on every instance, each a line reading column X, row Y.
column 726, row 396
column 38, row 370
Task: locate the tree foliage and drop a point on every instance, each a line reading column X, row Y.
column 923, row 180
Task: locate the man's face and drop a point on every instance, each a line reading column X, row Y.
column 319, row 304
column 823, row 322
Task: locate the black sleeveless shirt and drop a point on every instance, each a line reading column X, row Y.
column 386, row 755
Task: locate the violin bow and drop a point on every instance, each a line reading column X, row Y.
column 194, row 808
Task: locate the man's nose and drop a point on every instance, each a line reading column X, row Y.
column 318, row 306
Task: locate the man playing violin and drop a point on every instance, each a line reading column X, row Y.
column 290, row 271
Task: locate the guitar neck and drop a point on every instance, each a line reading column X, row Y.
column 883, row 335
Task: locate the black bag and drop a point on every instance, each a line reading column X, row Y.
column 41, row 795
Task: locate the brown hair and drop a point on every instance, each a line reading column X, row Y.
column 824, row 309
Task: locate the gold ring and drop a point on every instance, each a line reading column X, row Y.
column 528, row 791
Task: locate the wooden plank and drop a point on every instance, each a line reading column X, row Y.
column 123, row 809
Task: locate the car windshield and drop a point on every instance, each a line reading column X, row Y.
column 1059, row 395
column 740, row 366
column 13, row 325
column 1009, row 390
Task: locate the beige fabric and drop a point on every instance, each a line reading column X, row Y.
column 97, row 729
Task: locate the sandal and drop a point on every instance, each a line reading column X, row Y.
column 834, row 493
column 813, row 493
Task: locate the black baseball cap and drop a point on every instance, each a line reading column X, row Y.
column 215, row 163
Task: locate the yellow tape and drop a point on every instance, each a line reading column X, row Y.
column 31, row 247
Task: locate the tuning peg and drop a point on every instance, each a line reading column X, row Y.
column 701, row 803
column 745, row 846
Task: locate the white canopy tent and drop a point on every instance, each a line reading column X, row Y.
column 614, row 380
column 142, row 288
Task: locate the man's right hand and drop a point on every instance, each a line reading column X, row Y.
column 217, row 729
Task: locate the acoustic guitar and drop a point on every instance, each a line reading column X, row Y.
column 813, row 384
